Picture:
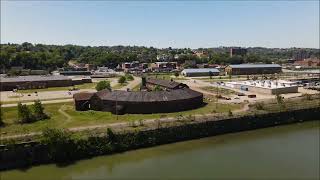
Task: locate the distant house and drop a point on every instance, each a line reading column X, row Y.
column 200, row 72
column 248, row 69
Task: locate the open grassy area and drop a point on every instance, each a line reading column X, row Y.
column 80, row 86
column 63, row 115
column 289, row 104
column 218, row 90
column 165, row 76
column 118, row 86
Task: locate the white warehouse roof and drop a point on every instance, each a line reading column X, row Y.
column 201, row 70
column 255, row 66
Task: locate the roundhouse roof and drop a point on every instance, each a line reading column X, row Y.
column 34, row 78
column 153, row 96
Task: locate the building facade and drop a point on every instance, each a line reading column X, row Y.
column 249, row 69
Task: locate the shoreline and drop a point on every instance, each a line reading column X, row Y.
column 25, row 155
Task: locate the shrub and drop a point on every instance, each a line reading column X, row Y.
column 307, row 97
column 157, row 88
column 176, row 74
column 24, row 114
column 59, row 142
column 122, row 79
column 259, row 105
column 230, row 113
column 103, row 85
column 38, row 111
column 129, row 77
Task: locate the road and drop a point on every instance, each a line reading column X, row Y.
column 51, row 97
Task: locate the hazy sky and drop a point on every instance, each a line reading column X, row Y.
column 162, row 23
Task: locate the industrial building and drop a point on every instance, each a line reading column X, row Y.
column 248, row 69
column 265, row 86
column 200, row 72
column 38, row 82
column 139, row 102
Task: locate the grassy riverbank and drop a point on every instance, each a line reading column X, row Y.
column 63, row 115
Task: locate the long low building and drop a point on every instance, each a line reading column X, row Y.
column 38, row 82
column 200, row 72
column 248, row 69
column 265, row 87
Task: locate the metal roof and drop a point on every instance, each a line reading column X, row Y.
column 202, row 70
column 163, row 83
column 152, row 96
column 33, row 78
column 255, row 66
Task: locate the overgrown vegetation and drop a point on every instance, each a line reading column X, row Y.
column 103, row 85
column 27, row 115
column 122, row 79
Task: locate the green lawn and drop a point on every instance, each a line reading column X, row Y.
column 166, row 76
column 80, row 86
column 219, row 90
column 86, row 118
column 118, row 86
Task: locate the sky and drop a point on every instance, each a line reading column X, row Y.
column 177, row 24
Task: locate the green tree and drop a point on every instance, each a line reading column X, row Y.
column 38, row 111
column 103, row 85
column 24, row 114
column 157, row 88
column 129, row 77
column 122, row 80
column 176, row 74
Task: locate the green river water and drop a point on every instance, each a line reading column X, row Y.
column 284, row 152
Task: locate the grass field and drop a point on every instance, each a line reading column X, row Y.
column 63, row 115
column 166, row 76
column 218, row 90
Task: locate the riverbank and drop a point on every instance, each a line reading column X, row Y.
column 62, row 150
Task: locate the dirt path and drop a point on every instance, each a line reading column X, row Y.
column 61, row 111
column 131, row 84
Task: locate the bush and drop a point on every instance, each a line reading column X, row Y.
column 259, row 105
column 157, row 88
column 129, row 77
column 176, row 74
column 307, row 97
column 103, row 85
column 122, row 80
column 59, row 142
column 38, row 111
column 24, row 114
column 230, row 113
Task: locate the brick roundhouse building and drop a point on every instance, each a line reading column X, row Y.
column 139, row 102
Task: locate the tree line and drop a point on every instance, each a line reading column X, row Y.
column 50, row 57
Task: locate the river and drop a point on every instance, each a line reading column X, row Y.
column 288, row 152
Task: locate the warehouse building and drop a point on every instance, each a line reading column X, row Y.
column 248, row 69
column 38, row 82
column 200, row 72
